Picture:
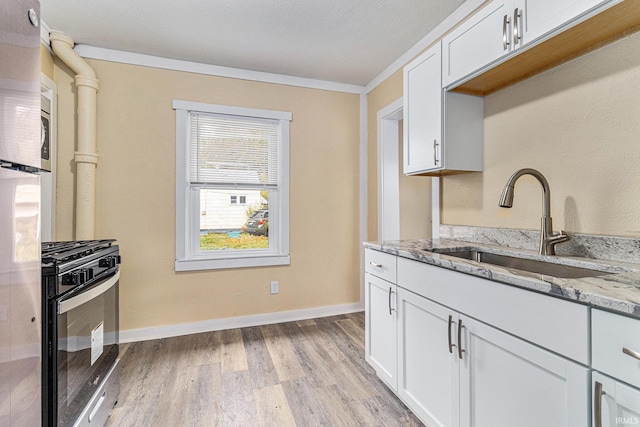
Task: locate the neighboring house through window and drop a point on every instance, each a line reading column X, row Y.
column 232, row 186
column 237, row 200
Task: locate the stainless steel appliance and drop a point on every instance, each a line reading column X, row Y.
column 45, row 133
column 80, row 374
column 20, row 295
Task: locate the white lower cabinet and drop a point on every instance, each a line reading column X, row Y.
column 455, row 371
column 505, row 382
column 614, row 403
column 381, row 328
column 616, row 363
column 428, row 374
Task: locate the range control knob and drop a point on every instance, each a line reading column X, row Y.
column 110, row 261
column 81, row 277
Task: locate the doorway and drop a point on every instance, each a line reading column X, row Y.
column 404, row 202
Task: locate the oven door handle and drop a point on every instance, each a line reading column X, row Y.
column 83, row 297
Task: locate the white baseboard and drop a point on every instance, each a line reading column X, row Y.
column 144, row 334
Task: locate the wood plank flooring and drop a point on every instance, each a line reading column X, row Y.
column 306, row 373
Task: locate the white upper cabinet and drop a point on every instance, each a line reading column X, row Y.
column 482, row 39
column 423, row 113
column 538, row 17
column 442, row 131
column 501, row 28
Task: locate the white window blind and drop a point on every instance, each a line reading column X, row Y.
column 227, row 150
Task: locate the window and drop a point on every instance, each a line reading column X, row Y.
column 237, row 200
column 232, row 186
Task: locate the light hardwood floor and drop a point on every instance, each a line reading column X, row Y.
column 306, row 373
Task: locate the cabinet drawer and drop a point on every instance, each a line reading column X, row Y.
column 558, row 325
column 611, row 335
column 380, row 264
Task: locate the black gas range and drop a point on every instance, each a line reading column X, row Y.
column 70, row 265
column 80, row 286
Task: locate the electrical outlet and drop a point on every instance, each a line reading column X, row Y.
column 274, row 287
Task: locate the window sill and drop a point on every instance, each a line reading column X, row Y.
column 227, row 263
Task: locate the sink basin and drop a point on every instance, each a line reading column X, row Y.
column 532, row 266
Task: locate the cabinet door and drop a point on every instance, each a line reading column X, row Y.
column 615, row 346
column 422, row 146
column 380, row 326
column 536, row 18
column 482, row 39
column 505, row 381
column 614, row 403
column 427, row 370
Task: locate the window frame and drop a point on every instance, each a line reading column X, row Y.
column 188, row 255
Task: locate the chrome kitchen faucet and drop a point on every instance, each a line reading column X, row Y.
column 548, row 239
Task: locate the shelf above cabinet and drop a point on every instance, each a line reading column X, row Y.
column 599, row 30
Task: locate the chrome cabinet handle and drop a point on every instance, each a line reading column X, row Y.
column 631, row 353
column 451, row 345
column 597, row 404
column 93, row 413
column 460, row 350
column 505, row 39
column 375, row 265
column 516, row 30
column 435, row 151
column 390, row 309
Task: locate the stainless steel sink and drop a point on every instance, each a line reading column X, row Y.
column 532, row 266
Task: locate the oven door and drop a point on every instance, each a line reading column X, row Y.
column 87, row 345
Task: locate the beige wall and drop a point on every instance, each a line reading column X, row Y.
column 46, row 62
column 579, row 124
column 136, row 195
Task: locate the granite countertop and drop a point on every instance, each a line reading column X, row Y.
column 619, row 290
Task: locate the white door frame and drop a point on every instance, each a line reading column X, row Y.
column 388, row 120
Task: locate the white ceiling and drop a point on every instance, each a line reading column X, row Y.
column 346, row 41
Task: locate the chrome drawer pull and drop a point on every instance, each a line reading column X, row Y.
column 451, row 345
column 460, row 350
column 631, row 353
column 390, row 309
column 375, row 265
column 505, row 37
column 597, row 404
column 516, row 26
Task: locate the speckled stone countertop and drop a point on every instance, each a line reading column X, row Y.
column 619, row 290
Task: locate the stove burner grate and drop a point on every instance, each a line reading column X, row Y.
column 57, row 252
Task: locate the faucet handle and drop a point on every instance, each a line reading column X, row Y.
column 558, row 237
